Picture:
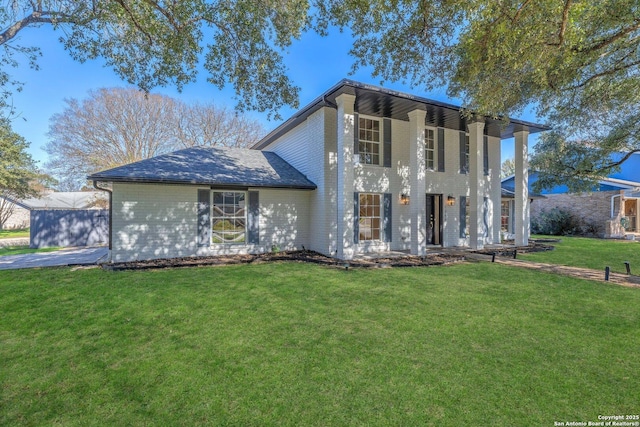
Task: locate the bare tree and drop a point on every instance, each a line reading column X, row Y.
column 116, row 126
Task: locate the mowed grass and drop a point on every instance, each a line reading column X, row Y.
column 11, row 234
column 21, row 250
column 591, row 253
column 300, row 344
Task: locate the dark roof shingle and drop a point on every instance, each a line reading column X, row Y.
column 211, row 166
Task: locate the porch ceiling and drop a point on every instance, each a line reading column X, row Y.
column 381, row 102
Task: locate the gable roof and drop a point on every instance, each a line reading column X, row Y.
column 382, row 102
column 237, row 167
column 62, row 200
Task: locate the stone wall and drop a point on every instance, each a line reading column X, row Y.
column 592, row 209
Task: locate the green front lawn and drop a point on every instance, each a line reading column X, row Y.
column 19, row 250
column 300, row 344
column 591, row 253
column 12, row 234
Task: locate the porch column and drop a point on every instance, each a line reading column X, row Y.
column 476, row 185
column 522, row 188
column 344, row 195
column 417, row 193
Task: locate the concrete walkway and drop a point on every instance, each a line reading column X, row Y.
column 16, row 241
column 63, row 257
column 581, row 273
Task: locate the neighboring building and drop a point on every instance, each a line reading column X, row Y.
column 20, row 210
column 361, row 169
column 610, row 210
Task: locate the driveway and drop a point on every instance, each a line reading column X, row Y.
column 63, row 257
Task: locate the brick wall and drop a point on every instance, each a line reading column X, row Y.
column 593, row 209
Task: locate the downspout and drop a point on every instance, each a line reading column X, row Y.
column 95, row 185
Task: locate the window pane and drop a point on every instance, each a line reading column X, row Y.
column 228, row 217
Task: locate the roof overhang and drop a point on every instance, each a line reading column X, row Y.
column 381, row 102
column 130, row 180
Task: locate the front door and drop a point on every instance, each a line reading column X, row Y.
column 434, row 219
column 631, row 212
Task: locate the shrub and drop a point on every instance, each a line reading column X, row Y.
column 555, row 222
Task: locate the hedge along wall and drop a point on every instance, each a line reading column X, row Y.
column 66, row 228
column 592, row 209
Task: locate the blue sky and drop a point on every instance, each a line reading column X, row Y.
column 315, row 64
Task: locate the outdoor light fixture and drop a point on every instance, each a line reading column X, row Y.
column 451, row 201
column 404, row 199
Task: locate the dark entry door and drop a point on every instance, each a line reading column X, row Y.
column 434, row 219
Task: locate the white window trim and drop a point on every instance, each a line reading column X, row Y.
column 434, row 168
column 380, row 218
column 211, row 216
column 380, row 143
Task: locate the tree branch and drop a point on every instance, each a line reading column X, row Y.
column 563, row 24
column 608, row 41
column 135, row 21
column 519, row 12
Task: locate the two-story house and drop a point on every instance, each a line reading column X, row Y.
column 360, row 169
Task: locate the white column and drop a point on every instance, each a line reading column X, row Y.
column 418, row 198
column 476, row 185
column 522, row 188
column 345, row 200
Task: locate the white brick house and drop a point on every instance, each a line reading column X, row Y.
column 377, row 170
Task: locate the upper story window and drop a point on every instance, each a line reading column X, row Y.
column 430, row 149
column 466, row 152
column 369, row 141
column 228, row 217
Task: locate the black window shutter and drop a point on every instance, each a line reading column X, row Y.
column 440, row 150
column 253, row 218
column 204, row 217
column 463, row 216
column 356, row 217
column 485, row 154
column 463, row 157
column 386, row 128
column 387, row 218
column 356, row 137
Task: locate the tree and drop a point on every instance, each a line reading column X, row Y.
column 116, row 126
column 17, row 171
column 576, row 60
column 155, row 43
column 508, row 168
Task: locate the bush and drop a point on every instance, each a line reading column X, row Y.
column 555, row 222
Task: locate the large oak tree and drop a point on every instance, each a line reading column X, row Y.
column 152, row 43
column 577, row 61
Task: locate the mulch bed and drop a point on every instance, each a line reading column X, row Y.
column 296, row 256
column 317, row 258
column 537, row 245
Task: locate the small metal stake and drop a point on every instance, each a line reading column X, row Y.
column 606, row 273
column 493, row 257
column 628, row 265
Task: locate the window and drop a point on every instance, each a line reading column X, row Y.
column 505, row 213
column 369, row 141
column 370, row 219
column 228, row 217
column 430, row 149
column 466, row 153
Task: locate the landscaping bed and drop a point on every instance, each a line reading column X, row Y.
column 533, row 247
column 299, row 256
